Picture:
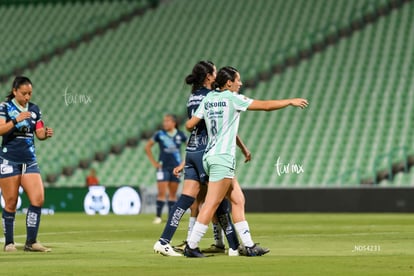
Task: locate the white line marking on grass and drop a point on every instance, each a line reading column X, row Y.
column 94, row 242
column 339, row 235
column 69, row 232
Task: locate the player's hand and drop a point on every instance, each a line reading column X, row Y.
column 23, row 116
column 299, row 102
column 157, row 165
column 48, row 132
column 177, row 170
column 247, row 156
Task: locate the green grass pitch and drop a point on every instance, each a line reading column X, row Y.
column 301, row 244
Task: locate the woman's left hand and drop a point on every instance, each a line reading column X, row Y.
column 48, row 132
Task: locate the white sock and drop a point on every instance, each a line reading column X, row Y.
column 191, row 222
column 198, row 232
column 218, row 235
column 243, row 229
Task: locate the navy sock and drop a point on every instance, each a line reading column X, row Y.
column 160, row 205
column 8, row 226
column 224, row 218
column 175, row 216
column 170, row 206
column 32, row 223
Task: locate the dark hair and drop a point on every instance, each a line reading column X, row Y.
column 174, row 118
column 18, row 81
column 225, row 74
column 199, row 74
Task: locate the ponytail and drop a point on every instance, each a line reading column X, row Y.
column 198, row 75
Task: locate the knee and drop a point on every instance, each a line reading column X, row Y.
column 10, row 204
column 161, row 194
column 38, row 201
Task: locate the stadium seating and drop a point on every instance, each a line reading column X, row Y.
column 33, row 30
column 356, row 113
column 126, row 79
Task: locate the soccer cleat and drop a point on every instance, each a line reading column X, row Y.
column 214, row 249
column 157, row 220
column 193, row 253
column 180, row 248
column 256, row 250
column 233, row 252
column 11, row 247
column 242, row 250
column 165, row 250
column 36, row 247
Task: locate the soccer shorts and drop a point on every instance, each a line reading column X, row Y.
column 219, row 166
column 194, row 169
column 166, row 174
column 10, row 168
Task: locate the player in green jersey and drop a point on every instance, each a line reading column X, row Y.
column 221, row 111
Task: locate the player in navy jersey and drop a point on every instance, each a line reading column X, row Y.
column 169, row 140
column 195, row 179
column 20, row 121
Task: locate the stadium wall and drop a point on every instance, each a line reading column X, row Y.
column 359, row 199
column 363, row 199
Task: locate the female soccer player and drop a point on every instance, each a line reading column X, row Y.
column 19, row 120
column 170, row 140
column 221, row 113
column 202, row 79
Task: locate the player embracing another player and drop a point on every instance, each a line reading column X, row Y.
column 221, row 112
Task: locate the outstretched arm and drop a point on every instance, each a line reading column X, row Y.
column 277, row 104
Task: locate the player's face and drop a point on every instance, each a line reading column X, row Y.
column 211, row 78
column 234, row 86
column 168, row 124
column 23, row 94
column 214, row 74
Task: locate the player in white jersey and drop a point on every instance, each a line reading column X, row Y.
column 221, row 111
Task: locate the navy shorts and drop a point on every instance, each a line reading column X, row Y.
column 166, row 174
column 194, row 169
column 10, row 168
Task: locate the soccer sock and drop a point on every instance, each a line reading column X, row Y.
column 159, row 206
column 170, row 206
column 191, row 223
column 198, row 232
column 178, row 211
column 8, row 226
column 243, row 229
column 224, row 218
column 218, row 235
column 32, row 223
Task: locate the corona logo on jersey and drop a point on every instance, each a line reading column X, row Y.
column 208, row 105
column 97, row 201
